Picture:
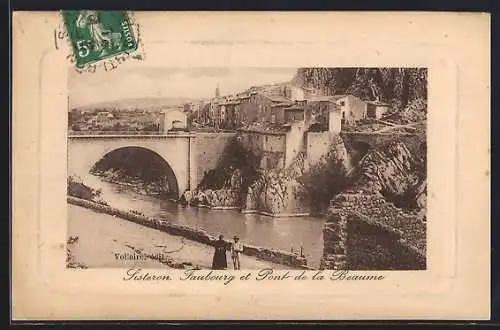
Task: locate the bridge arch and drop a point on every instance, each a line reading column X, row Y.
column 84, row 151
column 141, row 161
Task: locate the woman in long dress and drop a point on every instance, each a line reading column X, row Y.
column 102, row 38
column 220, row 261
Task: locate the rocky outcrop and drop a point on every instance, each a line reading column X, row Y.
column 159, row 187
column 228, row 196
column 220, row 198
column 276, row 192
column 394, row 172
column 279, row 192
column 379, row 222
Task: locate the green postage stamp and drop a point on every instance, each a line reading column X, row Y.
column 97, row 35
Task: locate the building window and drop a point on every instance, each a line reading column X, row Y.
column 352, row 115
column 343, row 114
column 342, row 103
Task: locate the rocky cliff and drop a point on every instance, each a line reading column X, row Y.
column 379, row 222
column 398, row 86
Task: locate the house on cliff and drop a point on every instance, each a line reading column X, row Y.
column 330, row 112
column 352, row 108
column 276, row 145
column 376, row 109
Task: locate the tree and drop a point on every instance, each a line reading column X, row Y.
column 324, row 180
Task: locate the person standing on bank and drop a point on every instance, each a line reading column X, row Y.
column 220, row 261
column 236, row 249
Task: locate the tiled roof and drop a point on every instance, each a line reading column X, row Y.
column 282, row 104
column 294, row 107
column 325, row 98
column 277, row 98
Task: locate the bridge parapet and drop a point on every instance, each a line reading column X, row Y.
column 375, row 139
column 106, row 134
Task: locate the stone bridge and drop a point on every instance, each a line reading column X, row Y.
column 188, row 155
column 360, row 140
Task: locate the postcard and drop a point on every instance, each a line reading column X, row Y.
column 197, row 165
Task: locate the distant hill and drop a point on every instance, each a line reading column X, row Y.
column 151, row 104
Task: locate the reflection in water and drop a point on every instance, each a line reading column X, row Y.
column 279, row 233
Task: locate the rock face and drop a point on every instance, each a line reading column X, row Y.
column 394, row 173
column 279, row 191
column 221, row 198
column 274, row 193
column 229, row 196
column 379, row 222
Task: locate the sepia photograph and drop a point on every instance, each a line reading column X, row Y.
column 247, row 168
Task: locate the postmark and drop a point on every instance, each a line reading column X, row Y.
column 99, row 37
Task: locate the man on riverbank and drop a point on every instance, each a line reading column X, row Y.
column 236, row 249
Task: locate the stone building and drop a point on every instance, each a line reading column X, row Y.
column 376, row 109
column 276, row 145
column 294, row 113
column 278, row 112
column 352, row 108
column 172, row 119
column 324, row 112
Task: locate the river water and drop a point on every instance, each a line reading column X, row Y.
column 279, row 233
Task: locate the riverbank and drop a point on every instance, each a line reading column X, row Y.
column 155, row 187
column 126, row 245
column 246, row 211
column 197, row 235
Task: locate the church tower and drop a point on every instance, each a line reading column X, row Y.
column 217, row 91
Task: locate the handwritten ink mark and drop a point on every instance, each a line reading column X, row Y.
column 172, row 251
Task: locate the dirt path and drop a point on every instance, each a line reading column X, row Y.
column 105, row 241
column 390, row 128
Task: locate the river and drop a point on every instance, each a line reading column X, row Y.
column 259, row 230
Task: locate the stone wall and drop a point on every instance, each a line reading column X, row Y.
column 268, row 147
column 379, row 222
column 294, row 142
column 206, row 150
column 194, row 234
column 379, row 139
column 355, row 108
column 318, row 144
column 365, row 232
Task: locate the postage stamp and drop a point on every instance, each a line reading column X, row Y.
column 97, row 35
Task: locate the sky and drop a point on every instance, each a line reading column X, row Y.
column 136, row 82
